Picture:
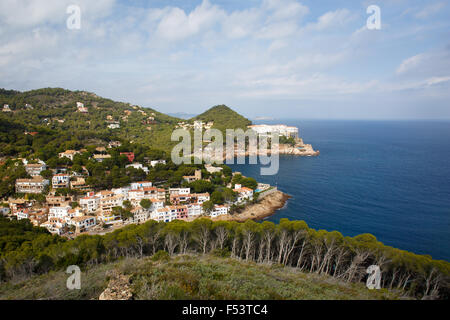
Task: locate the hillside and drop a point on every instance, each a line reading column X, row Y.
column 195, row 277
column 224, row 118
column 56, row 109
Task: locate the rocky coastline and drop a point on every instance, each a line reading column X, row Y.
column 266, row 207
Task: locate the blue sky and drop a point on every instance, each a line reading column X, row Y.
column 283, row 58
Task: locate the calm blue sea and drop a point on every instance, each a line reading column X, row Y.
column 387, row 178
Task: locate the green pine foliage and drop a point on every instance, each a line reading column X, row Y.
column 286, row 249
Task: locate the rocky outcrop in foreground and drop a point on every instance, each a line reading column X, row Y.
column 118, row 288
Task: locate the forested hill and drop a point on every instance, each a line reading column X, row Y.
column 56, row 109
column 224, row 118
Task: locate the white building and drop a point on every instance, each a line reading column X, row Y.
column 138, row 166
column 202, row 197
column 153, row 163
column 280, row 129
column 195, row 209
column 141, row 184
column 90, row 204
column 54, row 226
column 60, row 181
column 35, row 169
column 68, row 154
column 198, row 125
column 244, row 193
column 179, row 191
column 35, row 185
column 81, row 108
column 22, row 214
column 59, row 212
column 219, row 210
column 114, row 125
column 83, row 223
column 139, row 214
column 114, row 144
column 108, row 201
column 212, row 169
column 156, row 204
column 165, row 214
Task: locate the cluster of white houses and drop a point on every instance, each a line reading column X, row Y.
column 95, row 208
column 58, row 214
column 197, row 125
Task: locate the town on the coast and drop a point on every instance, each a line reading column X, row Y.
column 60, row 199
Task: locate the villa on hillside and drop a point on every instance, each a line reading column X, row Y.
column 138, row 166
column 101, row 157
column 35, row 169
column 60, row 181
column 81, row 108
column 69, row 154
column 195, row 177
column 244, row 193
column 35, row 185
column 153, row 163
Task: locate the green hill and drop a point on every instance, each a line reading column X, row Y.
column 224, row 118
column 195, row 276
column 56, row 109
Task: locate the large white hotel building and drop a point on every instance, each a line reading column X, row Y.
column 281, row 129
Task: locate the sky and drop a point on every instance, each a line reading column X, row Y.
column 263, row 58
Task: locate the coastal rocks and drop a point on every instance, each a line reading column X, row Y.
column 300, row 149
column 118, row 288
column 263, row 209
column 305, row 150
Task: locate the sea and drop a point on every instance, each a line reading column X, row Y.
column 387, row 178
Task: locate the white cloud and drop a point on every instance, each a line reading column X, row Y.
column 332, row 20
column 410, row 63
column 172, row 57
column 435, row 63
column 176, row 24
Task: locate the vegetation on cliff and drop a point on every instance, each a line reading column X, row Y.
column 27, row 251
column 194, row 276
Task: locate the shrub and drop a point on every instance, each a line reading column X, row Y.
column 161, row 255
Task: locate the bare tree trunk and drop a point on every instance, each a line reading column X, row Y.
column 170, row 243
column 222, row 236
column 282, row 240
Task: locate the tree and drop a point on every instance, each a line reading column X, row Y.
column 229, row 195
column 146, row 204
column 127, row 205
column 201, row 186
column 208, row 206
column 217, row 197
column 47, row 174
